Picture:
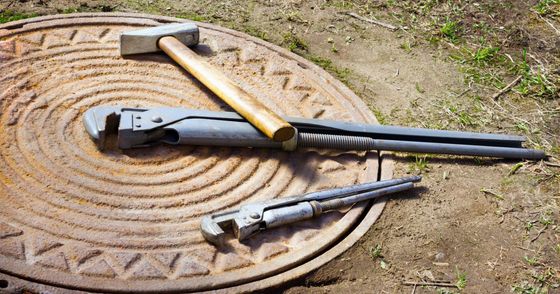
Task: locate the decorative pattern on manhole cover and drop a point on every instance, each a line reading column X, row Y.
column 71, row 215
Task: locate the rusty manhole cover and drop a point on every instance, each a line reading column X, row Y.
column 76, row 218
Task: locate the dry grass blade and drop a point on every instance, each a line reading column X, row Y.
column 492, row 193
column 538, row 235
column 552, row 164
column 507, row 88
column 373, row 21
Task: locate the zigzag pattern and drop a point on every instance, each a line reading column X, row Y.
column 60, row 38
column 36, row 248
column 311, row 102
column 50, row 253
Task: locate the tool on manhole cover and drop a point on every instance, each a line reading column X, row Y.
column 173, row 39
column 56, row 186
column 251, row 218
column 137, row 127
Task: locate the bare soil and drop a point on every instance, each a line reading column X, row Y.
column 478, row 223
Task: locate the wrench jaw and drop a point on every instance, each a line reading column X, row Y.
column 244, row 223
column 212, row 231
column 249, row 220
column 101, row 121
column 244, row 228
column 213, row 227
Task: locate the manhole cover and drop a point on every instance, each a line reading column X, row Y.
column 73, row 217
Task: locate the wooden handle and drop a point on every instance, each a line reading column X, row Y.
column 260, row 116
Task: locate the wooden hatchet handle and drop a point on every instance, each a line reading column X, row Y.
column 260, row 116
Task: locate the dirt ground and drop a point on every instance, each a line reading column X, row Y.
column 482, row 225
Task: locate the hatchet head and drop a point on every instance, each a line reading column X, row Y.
column 146, row 40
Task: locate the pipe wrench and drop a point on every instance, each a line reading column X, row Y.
column 141, row 127
column 252, row 218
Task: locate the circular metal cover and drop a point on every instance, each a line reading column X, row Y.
column 79, row 218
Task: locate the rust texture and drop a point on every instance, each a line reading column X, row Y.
column 76, row 217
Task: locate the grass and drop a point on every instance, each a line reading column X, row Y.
column 486, row 66
column 527, row 288
column 546, row 7
column 464, row 116
column 381, row 118
column 532, row 261
column 541, row 283
column 419, row 164
column 193, row 16
column 546, row 218
column 485, row 55
column 8, row 15
column 535, row 83
column 529, row 226
column 478, row 66
column 342, row 74
column 294, row 16
column 515, row 168
column 450, row 30
column 481, row 45
column 256, row 32
column 375, row 252
column 461, row 280
column 333, row 48
column 475, row 46
column 492, row 193
column 407, row 46
column 384, row 265
column 340, row 4
column 293, row 42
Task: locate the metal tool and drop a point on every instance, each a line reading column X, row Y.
column 173, row 39
column 137, row 127
column 252, row 218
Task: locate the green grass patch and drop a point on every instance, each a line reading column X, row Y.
column 546, row 7
column 341, row 73
column 407, row 46
column 532, row 261
column 376, row 252
column 515, row 168
column 340, row 4
column 256, row 32
column 450, row 30
column 8, row 15
column 461, row 280
column 463, row 114
column 481, row 66
column 85, row 8
column 419, row 164
column 463, row 117
column 191, row 15
column 527, row 288
column 293, row 42
column 419, row 88
column 294, row 16
column 533, row 82
column 485, row 55
column 381, row 118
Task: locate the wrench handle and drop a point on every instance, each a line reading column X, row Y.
column 248, row 106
